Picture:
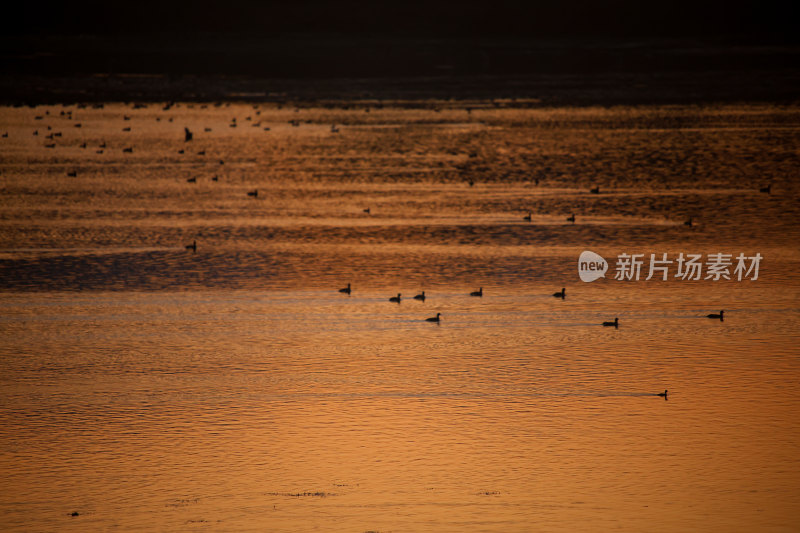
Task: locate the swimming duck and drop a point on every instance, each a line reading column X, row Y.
column 346, row 290
column 527, row 217
column 420, row 296
column 715, row 315
column 434, row 318
column 571, row 218
column 192, row 247
column 395, row 298
column 662, row 394
column 479, row 292
column 562, row 294
column 614, row 324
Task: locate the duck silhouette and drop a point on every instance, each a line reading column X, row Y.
column 254, row 193
column 663, row 394
column 688, row 222
column 767, row 189
column 562, row 294
column 571, row 218
column 715, row 315
column 420, row 296
column 346, row 290
column 614, row 324
column 395, row 298
column 192, row 247
column 479, row 292
column 434, row 318
column 187, row 135
column 527, row 217
column 596, row 190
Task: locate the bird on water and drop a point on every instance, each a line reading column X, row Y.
column 395, row 298
column 527, row 217
column 187, row 135
column 420, row 296
column 715, row 315
column 767, row 189
column 192, row 247
column 562, row 294
column 254, row 193
column 571, row 218
column 434, row 318
column 479, row 292
column 663, row 394
column 614, row 324
column 346, row 290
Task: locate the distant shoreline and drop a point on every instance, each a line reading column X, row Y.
column 297, row 68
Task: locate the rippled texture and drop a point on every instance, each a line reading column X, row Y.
column 149, row 387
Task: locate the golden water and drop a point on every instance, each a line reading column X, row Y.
column 148, row 387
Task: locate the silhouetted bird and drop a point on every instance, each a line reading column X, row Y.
column 527, row 217
column 346, row 290
column 334, row 129
column 434, row 318
column 367, row 211
column 663, row 394
column 180, row 151
column 420, row 296
column 206, row 129
column 562, row 294
column 73, row 174
column 192, row 247
column 254, row 193
column 688, row 222
column 201, row 152
column 615, row 323
column 767, row 189
column 187, row 135
column 192, row 180
column 83, row 145
column 571, row 218
column 479, row 292
column 126, row 129
column 395, row 298
column 471, row 182
column 596, row 190
column 102, row 145
column 215, row 178
column 715, row 315
column 5, row 135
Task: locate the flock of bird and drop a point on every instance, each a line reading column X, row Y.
column 189, row 136
column 479, row 293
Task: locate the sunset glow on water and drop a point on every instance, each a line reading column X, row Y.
column 151, row 387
